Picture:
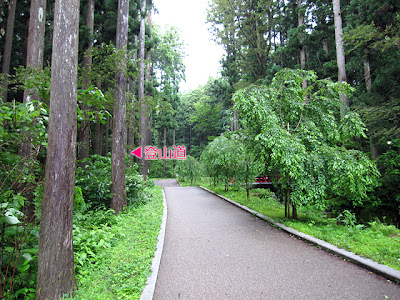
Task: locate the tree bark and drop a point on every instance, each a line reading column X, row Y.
column 341, row 61
column 34, row 55
column 367, row 74
column 325, row 46
column 107, row 135
column 97, row 141
column 131, row 112
column 142, row 106
column 165, row 145
column 56, row 273
column 148, row 118
column 118, row 189
column 8, row 47
column 303, row 47
column 84, row 137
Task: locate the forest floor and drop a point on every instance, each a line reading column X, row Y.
column 214, row 250
column 121, row 271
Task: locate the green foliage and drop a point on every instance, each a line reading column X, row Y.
column 95, row 182
column 19, row 247
column 19, row 177
column 117, row 272
column 91, row 97
column 223, row 159
column 156, row 169
column 297, row 130
column 347, row 218
column 92, row 233
column 388, row 192
column 189, row 169
column 34, row 80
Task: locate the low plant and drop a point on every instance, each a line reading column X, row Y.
column 119, row 271
column 94, row 179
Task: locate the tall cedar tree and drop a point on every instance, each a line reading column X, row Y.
column 341, row 63
column 8, row 47
column 142, row 106
column 34, row 55
column 56, row 272
column 35, row 51
column 87, row 65
column 118, row 190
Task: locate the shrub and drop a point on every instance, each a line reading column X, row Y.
column 95, row 182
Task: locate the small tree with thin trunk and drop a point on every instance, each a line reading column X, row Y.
column 300, row 132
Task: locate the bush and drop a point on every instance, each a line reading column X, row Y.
column 95, row 182
column 156, row 169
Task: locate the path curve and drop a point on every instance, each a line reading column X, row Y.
column 214, row 250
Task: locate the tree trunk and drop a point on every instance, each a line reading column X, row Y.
column 341, row 62
column 118, row 188
column 294, row 211
column 56, row 273
column 247, row 181
column 142, row 106
column 367, row 74
column 34, row 55
column 325, row 46
column 374, row 151
column 84, row 137
column 148, row 119
column 97, row 141
column 303, row 47
column 34, row 60
column 107, row 136
column 165, row 145
column 8, row 47
column 131, row 111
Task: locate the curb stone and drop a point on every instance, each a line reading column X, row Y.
column 150, row 286
column 366, row 263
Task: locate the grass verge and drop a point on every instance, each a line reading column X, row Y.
column 376, row 241
column 121, row 271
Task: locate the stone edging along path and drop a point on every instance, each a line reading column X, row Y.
column 369, row 264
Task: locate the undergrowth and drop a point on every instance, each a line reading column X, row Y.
column 114, row 256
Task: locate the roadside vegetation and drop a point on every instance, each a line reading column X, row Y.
column 113, row 257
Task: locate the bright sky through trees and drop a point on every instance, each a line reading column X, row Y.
column 203, row 54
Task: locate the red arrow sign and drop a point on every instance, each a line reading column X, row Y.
column 137, row 152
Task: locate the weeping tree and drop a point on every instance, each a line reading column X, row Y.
column 301, row 133
column 223, row 159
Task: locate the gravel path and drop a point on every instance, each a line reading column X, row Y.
column 214, row 250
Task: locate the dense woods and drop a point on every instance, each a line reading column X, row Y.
column 308, row 93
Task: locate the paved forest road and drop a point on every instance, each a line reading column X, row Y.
column 214, row 250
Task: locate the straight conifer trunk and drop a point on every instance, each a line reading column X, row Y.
column 131, row 112
column 56, row 272
column 118, row 189
column 34, row 55
column 8, row 47
column 35, row 50
column 341, row 62
column 84, row 137
column 303, row 48
column 142, row 106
